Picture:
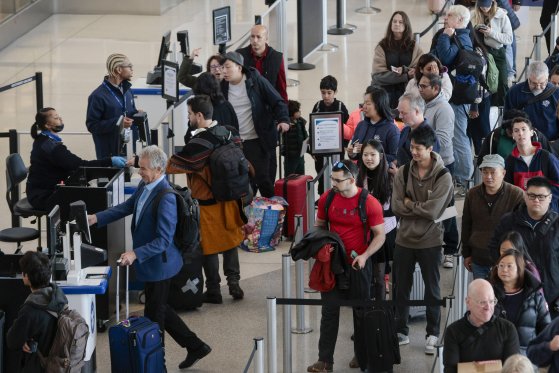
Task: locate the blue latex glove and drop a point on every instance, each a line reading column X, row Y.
column 119, row 162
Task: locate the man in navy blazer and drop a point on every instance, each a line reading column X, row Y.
column 155, row 257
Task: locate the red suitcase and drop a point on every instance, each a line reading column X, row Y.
column 293, row 189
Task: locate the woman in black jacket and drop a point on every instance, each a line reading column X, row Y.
column 373, row 176
column 520, row 302
column 52, row 162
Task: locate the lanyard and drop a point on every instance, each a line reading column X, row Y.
column 121, row 103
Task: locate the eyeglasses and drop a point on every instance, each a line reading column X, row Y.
column 216, row 67
column 483, row 303
column 539, row 197
column 508, row 267
column 337, row 181
column 423, row 86
column 531, row 83
column 339, row 166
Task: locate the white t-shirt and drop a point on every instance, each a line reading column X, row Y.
column 238, row 97
column 527, row 159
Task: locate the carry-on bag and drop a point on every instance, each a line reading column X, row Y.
column 293, row 188
column 187, row 286
column 136, row 343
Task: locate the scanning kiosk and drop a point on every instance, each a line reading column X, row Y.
column 82, row 284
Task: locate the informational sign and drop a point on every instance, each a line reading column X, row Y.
column 222, row 25
column 170, row 86
column 326, row 133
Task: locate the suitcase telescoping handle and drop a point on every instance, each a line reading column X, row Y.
column 118, row 265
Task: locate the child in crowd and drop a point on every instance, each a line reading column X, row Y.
column 293, row 140
column 329, row 103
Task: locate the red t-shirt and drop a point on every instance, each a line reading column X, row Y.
column 344, row 219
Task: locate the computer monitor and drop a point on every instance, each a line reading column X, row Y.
column 53, row 229
column 78, row 212
column 164, row 48
column 141, row 121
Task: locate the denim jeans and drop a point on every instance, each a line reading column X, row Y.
column 403, row 270
column 463, row 161
column 480, row 271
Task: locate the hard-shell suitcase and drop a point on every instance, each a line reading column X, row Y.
column 293, row 188
column 136, row 343
column 187, row 286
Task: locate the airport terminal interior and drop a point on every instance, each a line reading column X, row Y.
column 71, row 49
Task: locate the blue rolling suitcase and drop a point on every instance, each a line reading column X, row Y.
column 136, row 343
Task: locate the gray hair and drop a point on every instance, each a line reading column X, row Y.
column 518, row 364
column 415, row 100
column 157, row 157
column 462, row 12
column 537, row 69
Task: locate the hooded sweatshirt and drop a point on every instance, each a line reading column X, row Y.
column 33, row 322
column 384, row 131
column 429, row 198
column 440, row 117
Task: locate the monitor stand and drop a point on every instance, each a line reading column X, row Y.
column 154, row 77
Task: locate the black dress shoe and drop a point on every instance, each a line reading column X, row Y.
column 214, row 298
column 193, row 356
column 236, row 292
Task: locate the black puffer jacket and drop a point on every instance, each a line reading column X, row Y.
column 33, row 322
column 311, row 244
column 532, row 316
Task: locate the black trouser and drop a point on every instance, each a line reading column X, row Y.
column 157, row 310
column 360, row 282
column 548, row 9
column 263, row 162
column 402, row 277
column 231, row 269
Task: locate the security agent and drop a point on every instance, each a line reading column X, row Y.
column 109, row 104
column 52, row 161
column 155, row 257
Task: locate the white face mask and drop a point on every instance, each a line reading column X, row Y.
column 537, row 92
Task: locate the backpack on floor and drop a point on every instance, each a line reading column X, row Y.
column 67, row 352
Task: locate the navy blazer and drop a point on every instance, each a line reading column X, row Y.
column 157, row 257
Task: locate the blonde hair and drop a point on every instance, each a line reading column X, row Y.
column 462, row 12
column 479, row 17
column 113, row 61
column 518, row 364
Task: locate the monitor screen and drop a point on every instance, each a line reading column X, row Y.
column 141, row 122
column 53, row 228
column 78, row 212
column 164, row 47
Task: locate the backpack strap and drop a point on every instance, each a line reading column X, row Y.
column 362, row 206
column 542, row 96
column 180, row 213
column 329, row 199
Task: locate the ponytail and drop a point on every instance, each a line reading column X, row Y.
column 40, row 121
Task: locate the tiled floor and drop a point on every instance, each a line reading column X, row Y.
column 71, row 50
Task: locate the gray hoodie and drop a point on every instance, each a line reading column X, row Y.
column 429, row 198
column 440, row 116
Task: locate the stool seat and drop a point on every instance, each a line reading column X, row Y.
column 24, row 208
column 18, row 234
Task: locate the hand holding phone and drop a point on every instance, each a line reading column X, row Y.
column 354, row 255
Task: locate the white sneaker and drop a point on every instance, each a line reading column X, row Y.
column 430, row 344
column 403, row 339
column 448, row 261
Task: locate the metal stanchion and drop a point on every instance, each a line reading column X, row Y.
column 553, row 31
column 310, row 222
column 286, row 293
column 326, row 47
column 272, row 335
column 348, row 26
column 368, row 9
column 259, row 355
column 300, row 283
column 440, row 359
column 537, row 47
column 339, row 28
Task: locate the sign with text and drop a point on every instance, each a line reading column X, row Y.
column 222, row 25
column 326, row 133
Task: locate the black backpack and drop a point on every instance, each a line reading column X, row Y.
column 187, row 234
column 229, row 168
column 468, row 70
column 361, row 206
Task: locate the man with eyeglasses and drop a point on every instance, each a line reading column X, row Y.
column 539, row 226
column 109, row 104
column 479, row 335
column 484, row 206
column 344, row 219
column 419, row 201
column 538, row 98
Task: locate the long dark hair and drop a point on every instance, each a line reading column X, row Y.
column 379, row 183
column 517, row 242
column 423, row 61
column 41, row 119
column 407, row 38
column 207, row 84
column 381, row 100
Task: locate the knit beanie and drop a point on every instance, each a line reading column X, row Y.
column 113, row 61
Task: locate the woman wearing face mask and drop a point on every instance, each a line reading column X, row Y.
column 373, row 176
column 52, row 162
column 516, row 289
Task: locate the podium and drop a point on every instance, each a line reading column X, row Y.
column 100, row 188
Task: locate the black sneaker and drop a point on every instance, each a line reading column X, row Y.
column 236, row 292
column 211, row 297
column 193, row 357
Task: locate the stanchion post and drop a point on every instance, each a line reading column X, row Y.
column 286, row 293
column 326, row 47
column 39, row 90
column 272, row 335
column 339, row 28
column 440, row 359
column 310, row 221
column 344, row 17
column 553, row 30
column 537, row 47
column 300, row 283
column 259, row 355
column 368, row 9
